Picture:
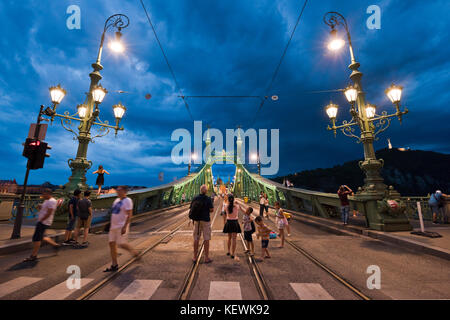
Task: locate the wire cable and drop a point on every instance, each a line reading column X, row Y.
column 167, row 62
column 269, row 87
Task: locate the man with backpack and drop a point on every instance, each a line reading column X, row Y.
column 84, row 218
column 199, row 213
column 436, row 203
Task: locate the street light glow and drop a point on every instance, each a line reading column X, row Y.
column 254, row 156
column 331, row 110
column 394, row 93
column 116, row 45
column 57, row 94
column 82, row 110
column 194, row 156
column 351, row 94
column 119, row 110
column 335, row 42
column 98, row 94
column 370, row 110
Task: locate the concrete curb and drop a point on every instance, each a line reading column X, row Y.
column 338, row 228
column 26, row 244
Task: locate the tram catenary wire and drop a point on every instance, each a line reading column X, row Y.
column 269, row 87
column 167, row 62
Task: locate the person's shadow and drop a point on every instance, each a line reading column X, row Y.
column 26, row 264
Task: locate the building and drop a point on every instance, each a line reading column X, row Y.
column 8, row 186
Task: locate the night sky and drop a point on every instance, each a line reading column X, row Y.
column 218, row 47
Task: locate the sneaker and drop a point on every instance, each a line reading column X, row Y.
column 85, row 244
column 112, row 268
column 30, row 258
column 67, row 243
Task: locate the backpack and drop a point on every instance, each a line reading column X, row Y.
column 196, row 210
column 83, row 214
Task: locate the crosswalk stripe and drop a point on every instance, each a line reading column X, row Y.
column 16, row 284
column 310, row 291
column 225, row 290
column 60, row 291
column 139, row 290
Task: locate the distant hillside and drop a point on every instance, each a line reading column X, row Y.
column 411, row 172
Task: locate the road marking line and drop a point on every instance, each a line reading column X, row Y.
column 16, row 284
column 310, row 291
column 139, row 290
column 60, row 291
column 225, row 290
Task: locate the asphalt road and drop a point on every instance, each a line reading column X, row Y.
column 160, row 274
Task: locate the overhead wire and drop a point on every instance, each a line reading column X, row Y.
column 269, row 87
column 167, row 62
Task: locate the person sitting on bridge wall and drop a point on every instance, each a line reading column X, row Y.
column 200, row 209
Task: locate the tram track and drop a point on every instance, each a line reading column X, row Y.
column 100, row 285
column 321, row 265
column 191, row 275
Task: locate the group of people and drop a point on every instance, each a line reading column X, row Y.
column 201, row 208
column 80, row 214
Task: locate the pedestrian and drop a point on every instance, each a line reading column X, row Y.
column 223, row 212
column 232, row 226
column 266, row 205
column 84, row 218
column 121, row 213
column 343, row 193
column 200, row 210
column 264, row 234
column 288, row 217
column 262, row 202
column 436, row 203
column 100, row 178
column 249, row 229
column 72, row 218
column 183, row 198
column 45, row 219
column 281, row 222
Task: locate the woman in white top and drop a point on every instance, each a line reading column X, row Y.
column 232, row 226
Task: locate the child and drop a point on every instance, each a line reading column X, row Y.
column 264, row 233
column 248, row 230
column 281, row 222
column 288, row 218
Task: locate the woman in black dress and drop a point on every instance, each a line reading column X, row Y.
column 100, row 178
column 232, row 226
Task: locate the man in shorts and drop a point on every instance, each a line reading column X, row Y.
column 203, row 206
column 45, row 220
column 84, row 218
column 121, row 213
column 73, row 212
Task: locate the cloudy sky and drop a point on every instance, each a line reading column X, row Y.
column 218, row 47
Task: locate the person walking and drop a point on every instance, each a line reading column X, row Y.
column 121, row 213
column 84, row 218
column 100, row 178
column 199, row 212
column 436, row 203
column 223, row 213
column 262, row 202
column 288, row 217
column 183, row 198
column 72, row 219
column 249, row 229
column 343, row 192
column 266, row 205
column 232, row 226
column 45, row 219
column 264, row 234
column 281, row 222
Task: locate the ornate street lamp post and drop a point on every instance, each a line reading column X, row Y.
column 88, row 112
column 370, row 124
column 255, row 157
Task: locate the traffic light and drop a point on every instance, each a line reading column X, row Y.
column 30, row 147
column 36, row 152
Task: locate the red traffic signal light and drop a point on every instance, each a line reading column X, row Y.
column 36, row 152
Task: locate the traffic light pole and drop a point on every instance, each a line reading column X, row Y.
column 19, row 216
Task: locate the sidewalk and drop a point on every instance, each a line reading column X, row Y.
column 439, row 247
